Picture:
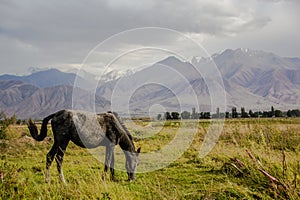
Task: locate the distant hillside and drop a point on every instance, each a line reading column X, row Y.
column 14, row 92
column 252, row 79
column 47, row 78
column 27, row 100
column 263, row 78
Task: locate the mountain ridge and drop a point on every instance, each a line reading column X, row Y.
column 252, row 79
column 26, row 100
column 46, row 78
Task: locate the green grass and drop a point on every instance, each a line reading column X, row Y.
column 213, row 177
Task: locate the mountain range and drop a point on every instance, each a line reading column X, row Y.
column 27, row 100
column 253, row 79
column 250, row 78
column 47, row 78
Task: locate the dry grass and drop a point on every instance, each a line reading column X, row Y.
column 274, row 142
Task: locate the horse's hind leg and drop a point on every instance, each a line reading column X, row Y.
column 59, row 159
column 49, row 159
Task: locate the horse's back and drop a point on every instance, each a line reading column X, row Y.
column 83, row 128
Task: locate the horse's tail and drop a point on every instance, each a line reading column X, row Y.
column 34, row 131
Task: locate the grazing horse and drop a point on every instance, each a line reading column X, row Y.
column 83, row 129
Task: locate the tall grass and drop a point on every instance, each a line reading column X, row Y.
column 274, row 143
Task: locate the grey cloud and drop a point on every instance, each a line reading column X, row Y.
column 58, row 32
column 46, row 20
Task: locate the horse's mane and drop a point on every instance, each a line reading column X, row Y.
column 122, row 124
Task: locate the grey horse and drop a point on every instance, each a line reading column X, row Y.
column 87, row 130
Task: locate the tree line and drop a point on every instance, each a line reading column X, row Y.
column 233, row 114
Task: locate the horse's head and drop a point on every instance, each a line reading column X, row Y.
column 132, row 161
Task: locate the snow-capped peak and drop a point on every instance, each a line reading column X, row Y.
column 116, row 74
column 245, row 50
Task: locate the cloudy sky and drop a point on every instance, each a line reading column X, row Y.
column 45, row 34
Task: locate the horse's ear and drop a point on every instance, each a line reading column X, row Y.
column 138, row 150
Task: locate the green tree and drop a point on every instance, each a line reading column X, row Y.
column 194, row 114
column 266, row 114
column 185, row 115
column 206, row 115
column 253, row 114
column 250, row 113
column 272, row 113
column 168, row 116
column 175, row 115
column 159, row 117
column 289, row 113
column 227, row 115
column 234, row 113
column 278, row 113
column 218, row 112
column 295, row 113
column 243, row 113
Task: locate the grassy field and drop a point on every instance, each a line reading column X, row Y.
column 227, row 172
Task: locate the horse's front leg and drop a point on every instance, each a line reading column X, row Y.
column 112, row 166
column 109, row 160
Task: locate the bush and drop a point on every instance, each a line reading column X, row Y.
column 4, row 123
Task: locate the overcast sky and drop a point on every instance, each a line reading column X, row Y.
column 45, row 34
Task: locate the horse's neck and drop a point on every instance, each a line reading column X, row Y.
column 126, row 144
column 114, row 126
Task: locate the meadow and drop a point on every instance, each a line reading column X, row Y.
column 253, row 159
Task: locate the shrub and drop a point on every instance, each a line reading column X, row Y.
column 4, row 123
